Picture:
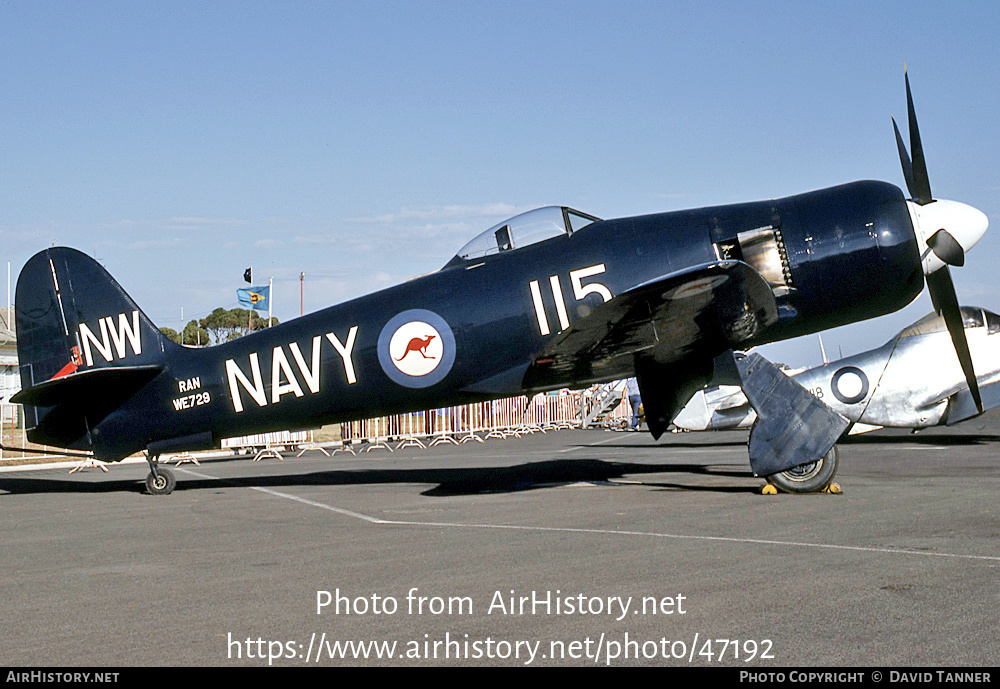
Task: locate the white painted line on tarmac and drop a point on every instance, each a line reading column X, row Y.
column 304, row 501
column 607, row 532
column 584, row 447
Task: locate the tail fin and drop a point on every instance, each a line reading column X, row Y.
column 83, row 345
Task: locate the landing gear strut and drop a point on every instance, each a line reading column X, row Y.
column 161, row 480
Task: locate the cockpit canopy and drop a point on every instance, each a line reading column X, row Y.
column 972, row 317
column 524, row 229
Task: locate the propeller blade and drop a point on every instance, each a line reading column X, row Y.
column 921, row 181
column 945, row 301
column 947, row 248
column 904, row 159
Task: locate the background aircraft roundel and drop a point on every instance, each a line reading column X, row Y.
column 849, row 385
column 416, row 348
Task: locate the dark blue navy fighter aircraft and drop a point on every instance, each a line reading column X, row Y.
column 549, row 299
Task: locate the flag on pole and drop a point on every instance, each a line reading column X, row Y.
column 255, row 297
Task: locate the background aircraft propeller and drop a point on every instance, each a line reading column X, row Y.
column 949, row 229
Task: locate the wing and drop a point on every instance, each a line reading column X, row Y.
column 690, row 316
column 962, row 405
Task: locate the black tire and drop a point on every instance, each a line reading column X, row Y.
column 162, row 484
column 807, row 478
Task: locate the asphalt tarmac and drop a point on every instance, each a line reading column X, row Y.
column 566, row 548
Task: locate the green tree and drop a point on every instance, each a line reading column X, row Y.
column 225, row 325
column 171, row 333
column 221, row 323
column 195, row 335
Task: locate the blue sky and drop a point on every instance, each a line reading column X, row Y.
column 363, row 143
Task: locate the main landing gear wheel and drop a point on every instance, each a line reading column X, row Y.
column 807, row 478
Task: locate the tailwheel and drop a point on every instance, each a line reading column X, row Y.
column 161, row 483
column 807, row 478
column 160, row 480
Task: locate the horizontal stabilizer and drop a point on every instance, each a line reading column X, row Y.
column 121, row 382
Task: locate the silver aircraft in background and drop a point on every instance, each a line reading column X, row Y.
column 912, row 381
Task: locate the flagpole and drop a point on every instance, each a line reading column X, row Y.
column 270, row 298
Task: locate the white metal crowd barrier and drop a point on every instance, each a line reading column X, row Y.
column 463, row 423
column 262, row 440
column 496, row 418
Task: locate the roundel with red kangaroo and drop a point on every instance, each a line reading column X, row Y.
column 416, row 348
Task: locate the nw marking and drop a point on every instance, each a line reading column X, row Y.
column 125, row 333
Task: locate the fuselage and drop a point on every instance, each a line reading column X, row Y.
column 832, row 257
column 913, row 380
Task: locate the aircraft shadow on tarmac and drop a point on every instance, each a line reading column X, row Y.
column 678, row 445
column 521, row 477
column 449, row 482
column 921, row 439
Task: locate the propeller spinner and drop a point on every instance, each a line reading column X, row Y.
column 948, row 229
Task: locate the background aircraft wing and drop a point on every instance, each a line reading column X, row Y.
column 962, row 404
column 693, row 314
